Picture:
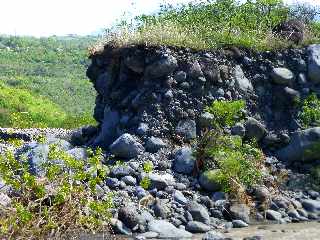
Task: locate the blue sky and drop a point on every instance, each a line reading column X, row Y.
column 61, row 17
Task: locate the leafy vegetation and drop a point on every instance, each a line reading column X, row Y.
column 64, row 199
column 148, row 167
column 238, row 163
column 48, row 75
column 211, row 24
column 226, row 113
column 145, row 183
column 310, row 112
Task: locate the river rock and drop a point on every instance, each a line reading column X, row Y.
column 167, row 230
column 311, row 205
column 282, row 76
column 126, row 146
column 119, row 227
column 240, row 212
column 304, row 146
column 179, row 197
column 242, row 82
column 273, row 215
column 184, row 161
column 208, row 182
column 254, row 129
column 161, row 181
column 198, row 212
column 239, row 224
column 197, row 227
column 153, row 144
column 314, row 63
column 108, row 128
column 129, row 216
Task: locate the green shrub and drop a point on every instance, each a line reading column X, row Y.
column 239, row 163
column 145, row 183
column 310, row 111
column 226, row 113
column 148, row 167
column 70, row 203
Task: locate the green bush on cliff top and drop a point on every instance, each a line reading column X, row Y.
column 210, row 24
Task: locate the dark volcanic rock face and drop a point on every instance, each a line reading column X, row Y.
column 162, row 92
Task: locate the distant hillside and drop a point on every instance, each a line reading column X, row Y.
column 53, row 68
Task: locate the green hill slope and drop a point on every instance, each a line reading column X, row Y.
column 49, row 72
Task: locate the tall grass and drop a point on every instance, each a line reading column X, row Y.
column 214, row 24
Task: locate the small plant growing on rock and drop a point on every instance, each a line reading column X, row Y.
column 310, row 112
column 145, row 183
column 148, row 167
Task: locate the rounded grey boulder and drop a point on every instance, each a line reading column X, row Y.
column 126, row 146
column 167, row 230
column 162, row 67
column 184, row 161
column 197, row 227
column 153, row 144
column 304, row 146
column 314, row 63
column 254, row 129
column 282, row 76
column 207, row 181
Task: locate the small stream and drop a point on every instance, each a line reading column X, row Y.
column 292, row 231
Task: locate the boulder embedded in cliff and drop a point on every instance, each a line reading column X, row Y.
column 304, row 146
column 314, row 63
column 242, row 82
column 282, row 76
column 108, row 129
column 161, row 68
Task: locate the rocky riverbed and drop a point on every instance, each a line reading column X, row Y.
column 151, row 108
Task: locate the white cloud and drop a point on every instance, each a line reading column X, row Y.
column 60, row 17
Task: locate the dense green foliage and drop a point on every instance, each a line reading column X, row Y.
column 215, row 23
column 70, row 203
column 52, row 68
column 238, row 163
column 226, row 113
column 310, row 112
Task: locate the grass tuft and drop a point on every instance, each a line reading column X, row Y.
column 214, row 24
